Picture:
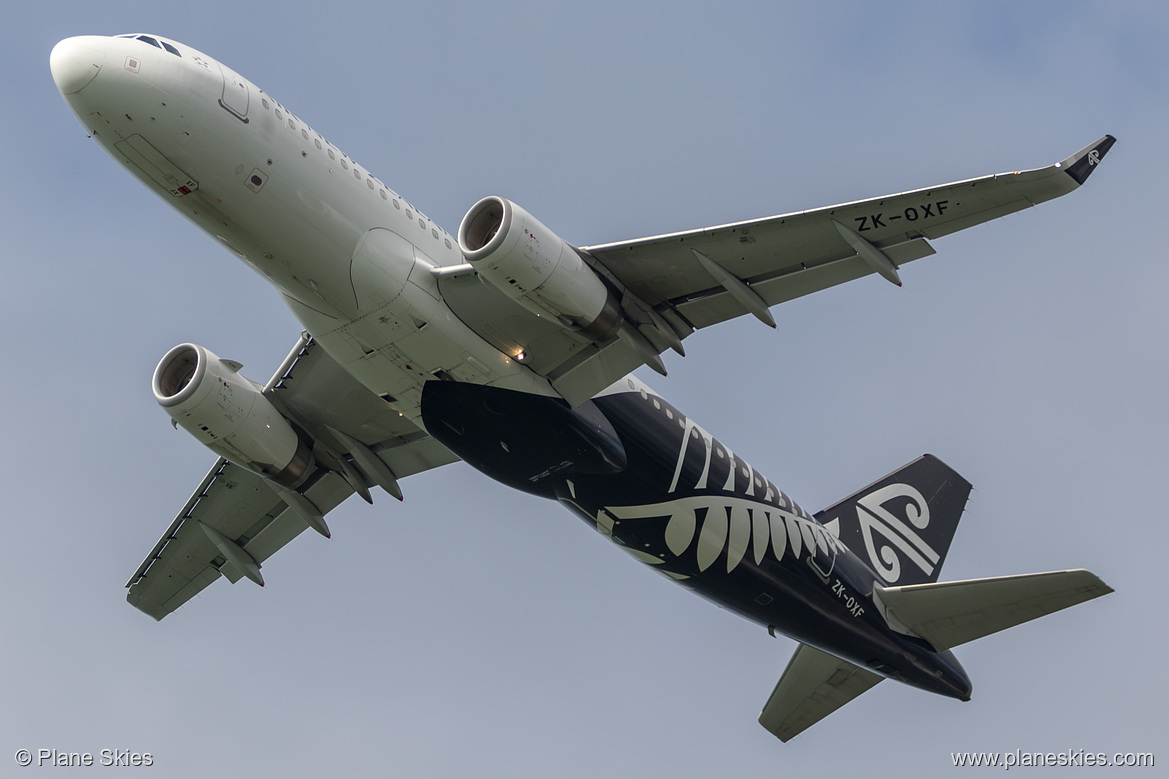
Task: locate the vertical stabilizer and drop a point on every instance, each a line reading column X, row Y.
column 902, row 525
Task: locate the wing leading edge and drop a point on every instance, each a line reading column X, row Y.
column 235, row 520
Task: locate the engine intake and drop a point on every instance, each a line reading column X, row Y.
column 230, row 415
column 538, row 269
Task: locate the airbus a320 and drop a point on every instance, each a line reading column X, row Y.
column 512, row 350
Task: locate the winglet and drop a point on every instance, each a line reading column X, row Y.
column 1081, row 164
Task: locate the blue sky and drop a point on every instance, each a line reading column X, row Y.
column 472, row 629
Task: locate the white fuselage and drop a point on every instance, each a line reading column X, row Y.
column 355, row 262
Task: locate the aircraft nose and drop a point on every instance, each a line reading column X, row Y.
column 76, row 61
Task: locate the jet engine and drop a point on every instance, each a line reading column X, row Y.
column 230, row 415
column 537, row 268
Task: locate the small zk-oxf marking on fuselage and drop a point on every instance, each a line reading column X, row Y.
column 853, row 605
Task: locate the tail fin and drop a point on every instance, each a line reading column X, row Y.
column 813, row 685
column 951, row 613
column 902, row 525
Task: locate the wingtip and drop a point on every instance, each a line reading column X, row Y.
column 1081, row 164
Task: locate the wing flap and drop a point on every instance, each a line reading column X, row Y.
column 326, row 494
column 715, row 305
column 813, row 685
column 948, row 614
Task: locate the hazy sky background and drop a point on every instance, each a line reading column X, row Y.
column 476, row 631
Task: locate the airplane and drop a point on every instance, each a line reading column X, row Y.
column 510, row 349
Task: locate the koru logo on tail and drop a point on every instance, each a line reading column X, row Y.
column 889, row 520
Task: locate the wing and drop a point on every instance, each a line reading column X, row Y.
column 235, row 520
column 813, row 685
column 671, row 285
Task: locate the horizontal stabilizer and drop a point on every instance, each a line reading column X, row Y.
column 948, row 614
column 813, row 685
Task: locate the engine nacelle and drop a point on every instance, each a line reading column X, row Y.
column 230, row 415
column 537, row 268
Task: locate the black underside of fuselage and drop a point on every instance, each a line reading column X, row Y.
column 674, row 497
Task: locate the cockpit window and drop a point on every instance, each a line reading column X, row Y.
column 153, row 42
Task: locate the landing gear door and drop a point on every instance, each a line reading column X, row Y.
column 236, row 93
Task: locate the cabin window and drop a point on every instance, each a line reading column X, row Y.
column 264, row 100
column 369, row 182
column 357, row 174
column 383, row 194
column 434, row 233
column 397, row 205
column 409, row 214
column 278, row 114
column 447, row 241
column 304, row 133
column 344, row 164
column 317, row 141
column 332, row 156
column 291, row 124
column 422, row 223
